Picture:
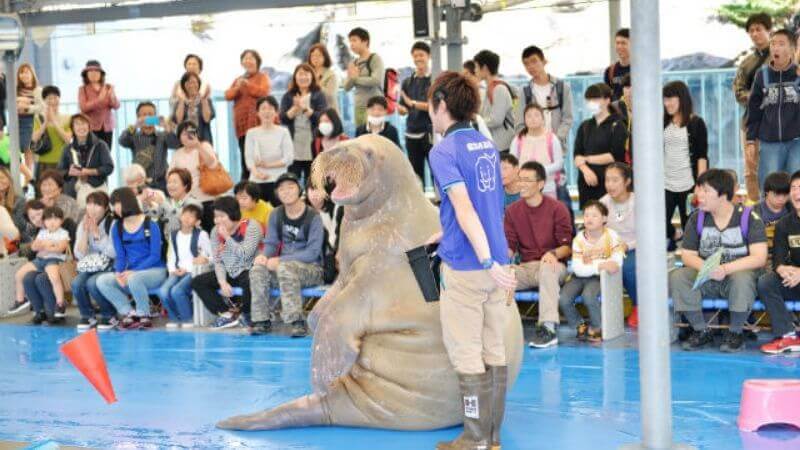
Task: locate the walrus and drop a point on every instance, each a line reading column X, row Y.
column 378, row 359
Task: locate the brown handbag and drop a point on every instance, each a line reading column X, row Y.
column 68, row 271
column 214, row 181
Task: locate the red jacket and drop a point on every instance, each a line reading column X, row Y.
column 244, row 101
column 99, row 111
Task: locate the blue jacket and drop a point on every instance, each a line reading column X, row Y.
column 139, row 250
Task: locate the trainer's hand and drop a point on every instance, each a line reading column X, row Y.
column 434, row 239
column 504, row 278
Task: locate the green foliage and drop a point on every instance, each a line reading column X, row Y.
column 738, row 11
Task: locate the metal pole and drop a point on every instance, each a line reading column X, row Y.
column 455, row 40
column 436, row 41
column 13, row 118
column 614, row 24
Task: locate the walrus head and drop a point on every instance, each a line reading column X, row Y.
column 365, row 171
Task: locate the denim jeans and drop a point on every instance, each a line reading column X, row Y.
column 85, row 285
column 775, row 156
column 176, row 296
column 39, row 292
column 629, row 275
column 139, row 284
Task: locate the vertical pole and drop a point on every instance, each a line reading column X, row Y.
column 455, row 40
column 436, row 42
column 614, row 24
column 13, row 118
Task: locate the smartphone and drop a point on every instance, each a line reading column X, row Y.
column 151, row 121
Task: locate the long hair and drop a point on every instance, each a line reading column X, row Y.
column 34, row 80
column 9, row 200
column 325, row 55
column 685, row 109
column 313, row 87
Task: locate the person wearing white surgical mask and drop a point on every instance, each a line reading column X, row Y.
column 329, row 132
column 377, row 108
column 599, row 142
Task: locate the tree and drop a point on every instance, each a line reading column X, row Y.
column 737, row 12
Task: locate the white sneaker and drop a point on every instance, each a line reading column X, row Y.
column 173, row 325
column 17, row 308
column 187, row 325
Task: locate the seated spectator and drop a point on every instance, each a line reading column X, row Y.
column 597, row 248
column 247, row 194
column 330, row 213
column 774, row 207
column 149, row 199
column 194, row 104
column 620, row 202
column 191, row 156
column 376, row 120
column 188, row 247
column 53, row 124
column 148, row 146
column 9, row 234
column 138, row 266
column 86, row 162
column 191, row 64
column 179, row 183
column 539, row 230
column 329, row 132
column 537, row 143
column 269, row 150
column 509, row 170
column 301, row 107
column 292, row 259
column 738, row 233
column 94, row 252
column 234, row 244
column 13, row 203
column 51, row 247
column 51, row 190
column 775, row 287
column 34, row 209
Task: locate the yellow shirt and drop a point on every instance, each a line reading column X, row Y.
column 260, row 213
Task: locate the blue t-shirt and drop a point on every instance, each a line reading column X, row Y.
column 139, row 250
column 466, row 156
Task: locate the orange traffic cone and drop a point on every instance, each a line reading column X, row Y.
column 85, row 354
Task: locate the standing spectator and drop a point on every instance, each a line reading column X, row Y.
column 719, row 225
column 188, row 247
column 509, row 170
column 190, row 156
column 774, row 207
column 29, row 103
column 86, row 161
column 292, row 259
column 250, row 205
column 94, row 252
column 301, row 107
column 535, row 142
column 179, row 185
column 758, row 27
column 497, row 107
column 365, row 74
column 328, row 82
column 244, row 92
column 773, row 111
column 150, row 147
column 13, row 203
column 624, row 106
column 539, row 230
column 376, row 121
column 234, row 245
column 685, row 152
column 414, row 103
column 269, row 150
column 191, row 64
column 470, row 71
column 51, row 190
column 329, row 133
column 781, row 284
column 599, row 142
column 614, row 73
column 55, row 125
column 97, row 100
column 621, row 203
column 138, row 266
column 195, row 105
column 597, row 248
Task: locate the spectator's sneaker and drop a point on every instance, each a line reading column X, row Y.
column 224, row 322
column 61, row 311
column 129, row 323
column 732, row 342
column 145, row 323
column 38, row 318
column 173, row 325
column 698, row 340
column 299, row 329
column 582, row 334
column 105, row 324
column 261, row 328
column 543, row 338
column 786, row 343
column 187, row 325
column 87, row 323
column 19, row 307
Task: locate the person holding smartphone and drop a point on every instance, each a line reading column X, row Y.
column 150, row 145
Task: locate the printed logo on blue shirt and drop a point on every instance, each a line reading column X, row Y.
column 485, row 169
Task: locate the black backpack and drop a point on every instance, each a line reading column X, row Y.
column 192, row 246
column 147, row 235
column 329, row 271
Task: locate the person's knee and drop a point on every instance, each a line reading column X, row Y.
column 768, row 282
column 287, row 270
column 743, row 282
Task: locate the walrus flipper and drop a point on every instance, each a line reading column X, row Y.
column 301, row 412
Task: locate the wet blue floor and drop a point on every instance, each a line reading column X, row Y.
column 173, row 386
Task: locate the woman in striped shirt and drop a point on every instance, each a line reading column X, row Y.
column 685, row 152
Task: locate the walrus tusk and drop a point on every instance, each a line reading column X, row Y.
column 302, row 412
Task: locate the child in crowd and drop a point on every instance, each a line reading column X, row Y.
column 509, row 170
column 595, row 249
column 188, row 247
column 537, row 143
column 774, row 207
column 252, row 207
column 51, row 246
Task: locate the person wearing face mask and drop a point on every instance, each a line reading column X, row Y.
column 301, row 107
column 329, row 132
column 599, row 142
column 268, row 149
column 376, row 120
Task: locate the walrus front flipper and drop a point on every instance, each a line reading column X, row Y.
column 302, row 412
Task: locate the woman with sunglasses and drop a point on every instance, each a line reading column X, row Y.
column 192, row 153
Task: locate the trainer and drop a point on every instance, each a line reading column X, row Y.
column 473, row 248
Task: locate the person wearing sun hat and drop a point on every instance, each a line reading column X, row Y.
column 98, row 99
